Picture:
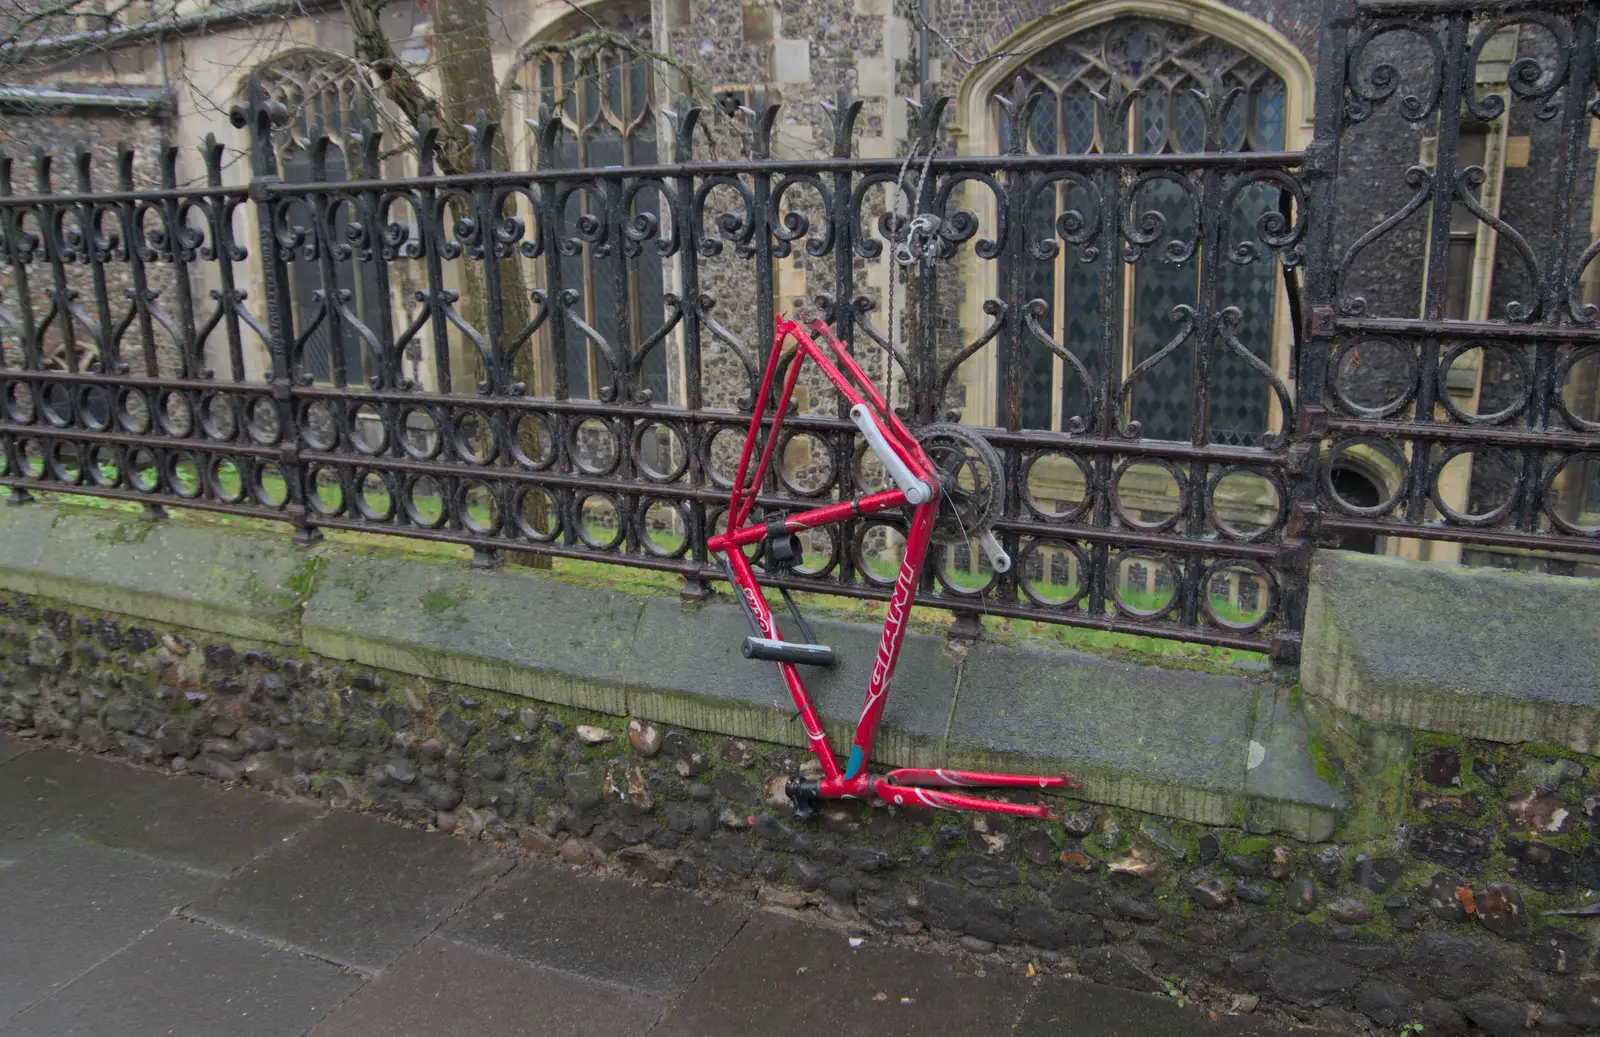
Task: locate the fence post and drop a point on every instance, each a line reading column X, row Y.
column 695, row 587
column 1313, row 336
column 258, row 117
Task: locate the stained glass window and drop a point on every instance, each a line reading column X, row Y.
column 607, row 106
column 1167, row 68
column 324, row 96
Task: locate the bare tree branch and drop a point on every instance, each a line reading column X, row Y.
column 972, row 61
column 375, row 51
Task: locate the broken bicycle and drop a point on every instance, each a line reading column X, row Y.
column 952, row 479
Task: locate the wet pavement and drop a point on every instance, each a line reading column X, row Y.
column 135, row 903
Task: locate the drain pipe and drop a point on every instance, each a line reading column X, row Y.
column 165, row 126
column 924, row 63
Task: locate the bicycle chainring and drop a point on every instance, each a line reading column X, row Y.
column 971, row 481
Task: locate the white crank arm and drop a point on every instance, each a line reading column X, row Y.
column 997, row 554
column 916, row 491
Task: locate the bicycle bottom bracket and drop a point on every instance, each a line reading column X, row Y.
column 806, row 797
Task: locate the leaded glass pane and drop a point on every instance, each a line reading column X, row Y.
column 1239, row 396
column 1161, row 396
column 1080, row 333
column 1039, row 282
column 1172, row 70
column 1191, row 123
column 1269, row 116
column 1042, row 132
column 1079, row 116
column 608, row 112
column 325, row 97
column 1152, row 123
column 1233, row 124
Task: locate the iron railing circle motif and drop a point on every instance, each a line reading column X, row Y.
column 414, row 510
column 553, row 509
column 1349, row 349
column 1037, row 507
column 1269, row 609
column 590, row 538
column 1450, row 512
column 1280, row 508
column 421, row 432
column 940, row 555
column 1158, row 560
column 1520, row 363
column 1331, row 464
column 1558, row 520
column 641, row 519
column 1025, row 560
column 1160, row 525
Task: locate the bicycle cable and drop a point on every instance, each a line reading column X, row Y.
column 906, row 258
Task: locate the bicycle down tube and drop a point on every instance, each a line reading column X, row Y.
column 918, row 484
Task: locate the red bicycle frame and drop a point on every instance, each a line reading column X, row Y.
column 917, row 484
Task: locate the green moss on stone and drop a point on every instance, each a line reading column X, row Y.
column 1251, row 845
column 1320, row 766
column 1424, row 742
column 437, row 601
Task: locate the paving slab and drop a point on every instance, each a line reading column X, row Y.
column 186, row 979
column 70, row 905
column 50, row 793
column 650, row 939
column 184, row 819
column 781, row 978
column 356, row 891
column 10, row 749
column 190, row 820
column 445, row 989
column 1071, row 1006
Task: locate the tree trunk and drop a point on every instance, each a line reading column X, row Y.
column 466, row 74
column 465, row 56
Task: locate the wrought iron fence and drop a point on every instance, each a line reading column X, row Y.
column 301, row 351
column 1510, row 461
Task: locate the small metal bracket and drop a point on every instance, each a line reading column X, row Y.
column 1322, row 322
column 806, row 796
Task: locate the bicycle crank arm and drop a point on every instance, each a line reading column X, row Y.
column 997, row 554
column 917, row 492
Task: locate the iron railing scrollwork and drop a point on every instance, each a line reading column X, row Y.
column 155, row 339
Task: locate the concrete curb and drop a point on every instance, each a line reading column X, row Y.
column 1486, row 653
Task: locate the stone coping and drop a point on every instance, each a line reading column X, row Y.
column 1180, row 743
column 1487, row 653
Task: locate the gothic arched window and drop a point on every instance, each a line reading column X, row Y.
column 605, row 97
column 323, row 96
column 1140, row 85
